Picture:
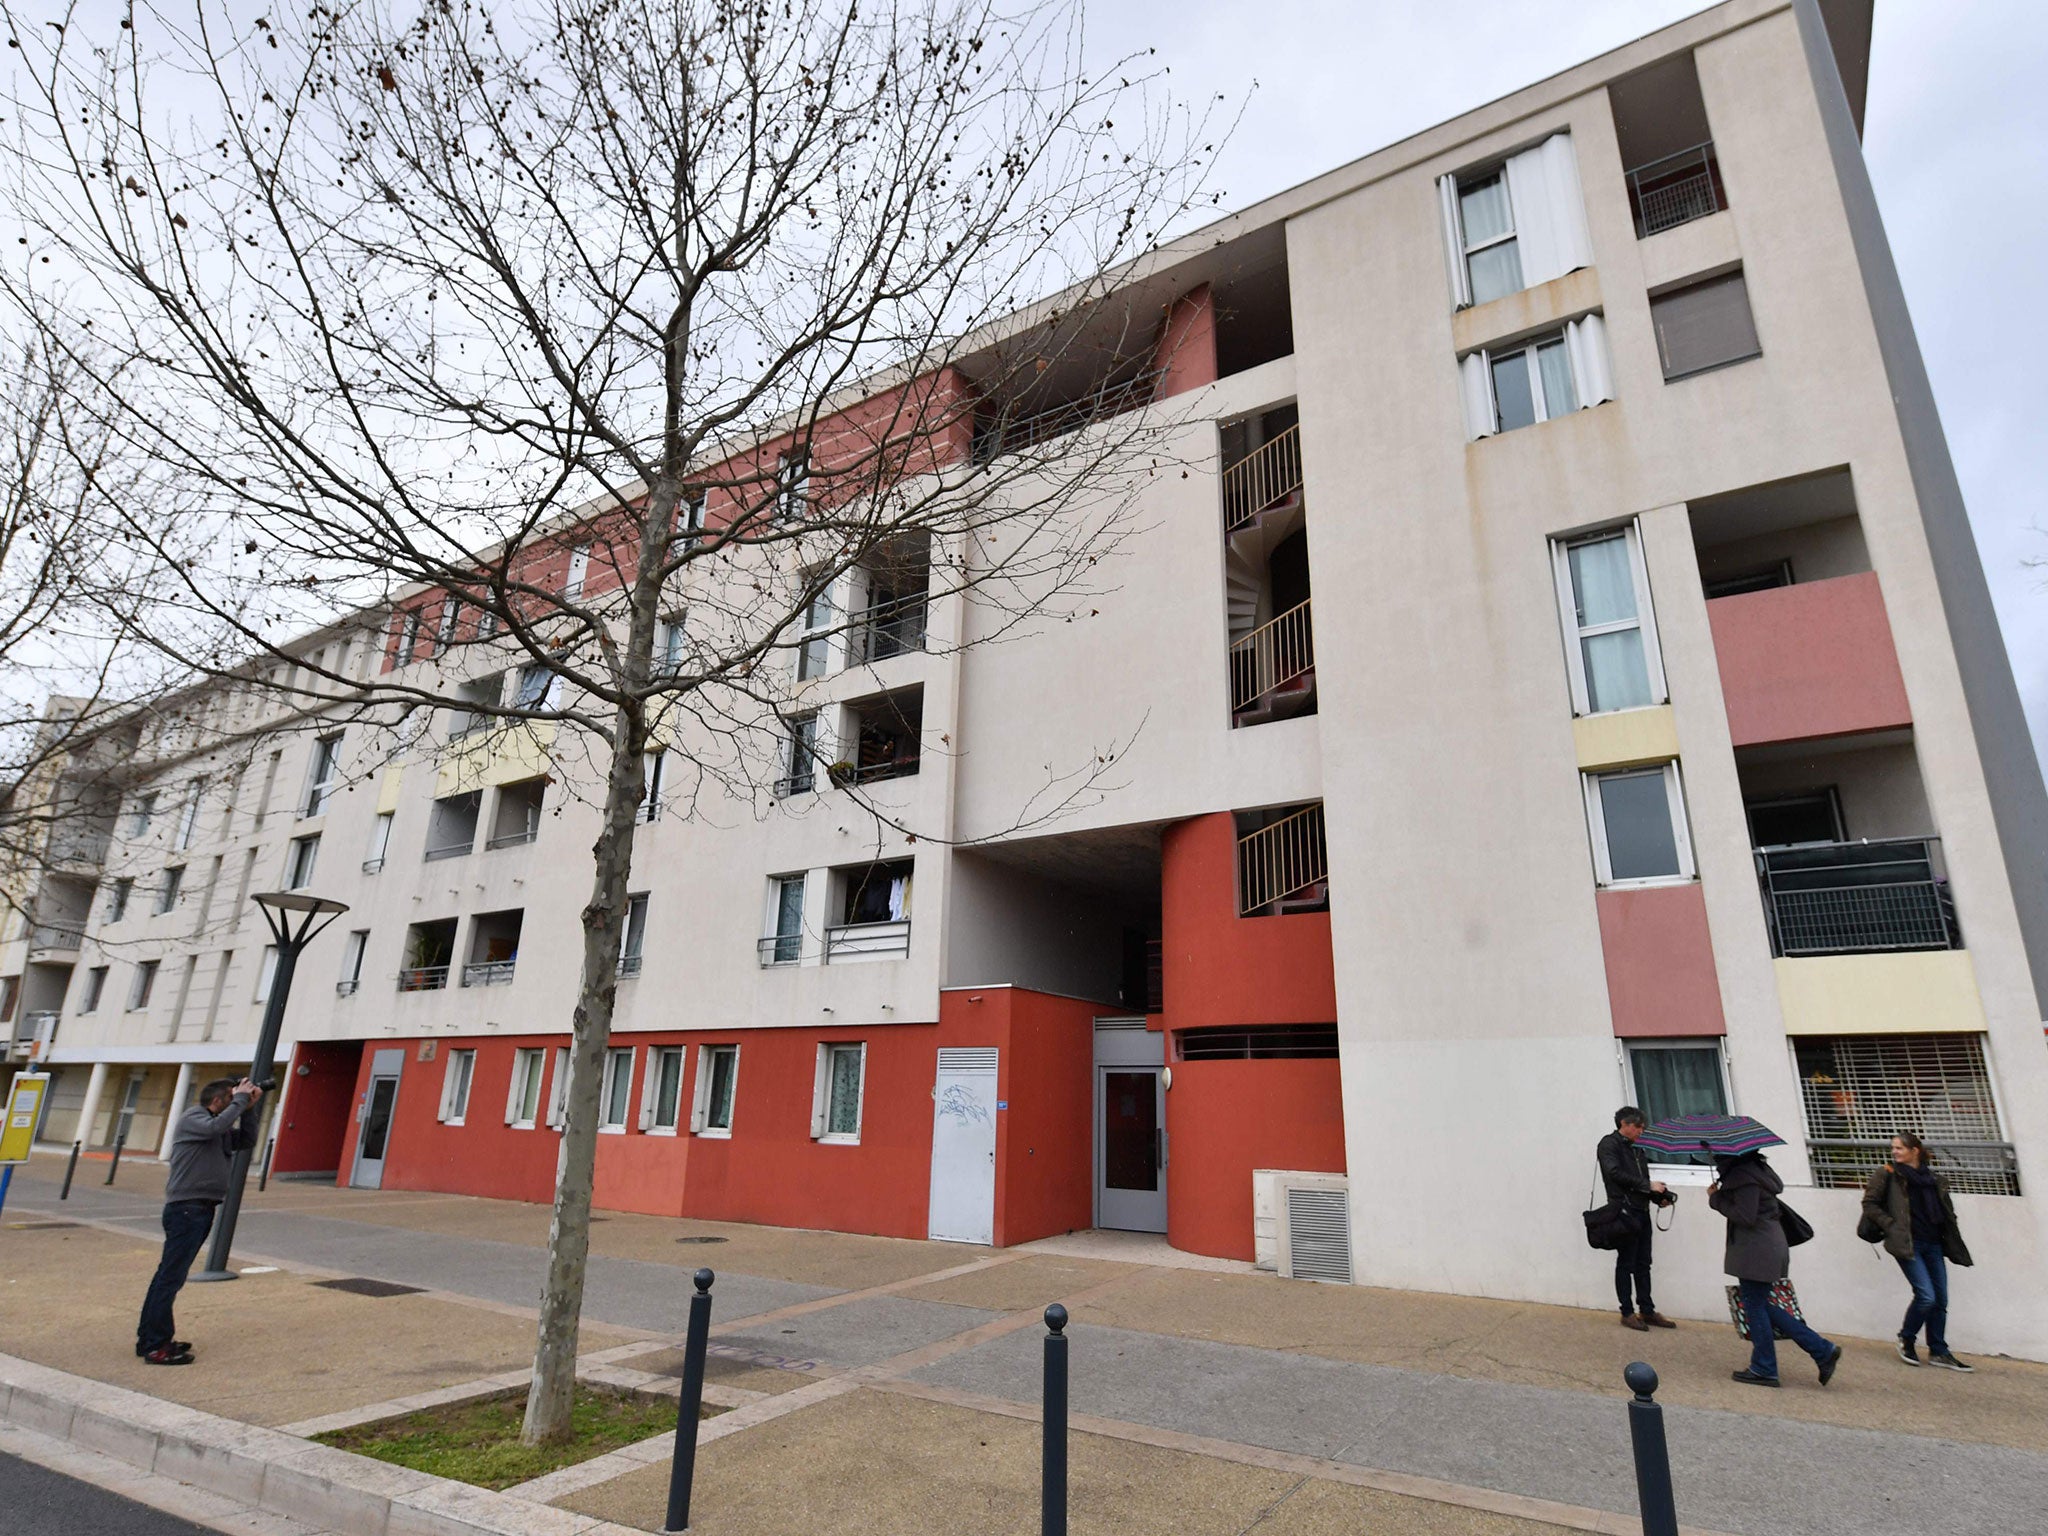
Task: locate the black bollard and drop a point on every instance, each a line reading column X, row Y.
column 1052, row 1499
column 114, row 1167
column 1653, row 1456
column 690, row 1405
column 69, row 1169
column 263, row 1178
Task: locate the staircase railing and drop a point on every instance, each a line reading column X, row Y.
column 1281, row 859
column 1260, row 478
column 1275, row 653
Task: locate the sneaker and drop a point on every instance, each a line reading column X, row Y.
column 1630, row 1320
column 1908, row 1353
column 1949, row 1362
column 168, row 1355
column 1751, row 1379
column 1827, row 1366
column 175, row 1344
column 1658, row 1320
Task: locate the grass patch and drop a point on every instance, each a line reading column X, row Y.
column 478, row 1441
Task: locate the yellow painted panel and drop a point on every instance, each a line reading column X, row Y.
column 505, row 756
column 1920, row 992
column 387, row 791
column 1626, row 738
column 18, row 1127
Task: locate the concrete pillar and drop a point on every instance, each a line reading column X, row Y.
column 89, row 1111
column 179, row 1090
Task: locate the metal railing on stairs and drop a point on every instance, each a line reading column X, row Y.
column 1272, row 655
column 1281, row 860
column 1263, row 476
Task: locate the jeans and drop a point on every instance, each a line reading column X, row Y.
column 186, row 1223
column 1763, row 1317
column 1632, row 1263
column 1927, row 1273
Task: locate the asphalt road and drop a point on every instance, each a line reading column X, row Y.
column 51, row 1504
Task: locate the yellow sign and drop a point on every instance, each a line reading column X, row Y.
column 24, row 1107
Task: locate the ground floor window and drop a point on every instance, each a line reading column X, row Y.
column 1861, row 1090
column 522, row 1106
column 718, row 1069
column 617, row 1098
column 664, row 1088
column 455, row 1081
column 836, row 1095
column 1668, row 1078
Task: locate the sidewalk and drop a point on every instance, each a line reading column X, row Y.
column 1205, row 1399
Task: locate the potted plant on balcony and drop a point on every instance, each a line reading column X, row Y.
column 841, row 773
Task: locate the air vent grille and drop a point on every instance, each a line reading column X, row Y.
column 967, row 1058
column 1319, row 1234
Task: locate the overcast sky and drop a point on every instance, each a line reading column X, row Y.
column 1956, row 132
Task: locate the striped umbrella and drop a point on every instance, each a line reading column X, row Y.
column 1722, row 1135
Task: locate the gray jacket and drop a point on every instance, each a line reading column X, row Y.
column 1748, row 1197
column 203, row 1149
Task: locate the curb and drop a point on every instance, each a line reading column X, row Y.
column 269, row 1469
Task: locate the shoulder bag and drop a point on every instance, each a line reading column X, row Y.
column 1796, row 1227
column 1610, row 1225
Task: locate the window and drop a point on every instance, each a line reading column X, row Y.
column 167, row 892
column 814, row 646
column 635, row 935
column 266, row 973
column 408, row 636
column 690, row 513
column 538, row 688
column 1603, row 590
column 140, row 814
column 451, row 615
column 188, row 817
column 1861, row 1090
column 618, row 1089
column 836, row 1094
column 486, row 624
column 1788, row 821
column 784, row 944
column 455, row 1080
column 792, row 483
column 481, row 692
column 653, row 767
column 522, row 1104
column 664, row 1089
column 298, row 867
column 558, row 1098
column 1540, row 379
column 142, row 986
column 668, row 646
column 352, row 962
column 1516, row 224
column 380, row 841
column 1638, row 821
column 799, row 757
column 95, row 985
column 1677, row 1077
column 1704, row 325
column 579, row 567
column 117, row 899
column 325, row 773
column 718, row 1068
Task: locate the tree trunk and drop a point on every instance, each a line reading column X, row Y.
column 561, row 1307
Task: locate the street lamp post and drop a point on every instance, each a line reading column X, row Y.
column 295, row 919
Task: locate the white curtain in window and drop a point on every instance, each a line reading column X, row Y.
column 1550, row 211
column 1454, row 241
column 1475, row 383
column 899, row 898
column 1586, row 340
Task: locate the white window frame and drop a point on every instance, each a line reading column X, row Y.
column 458, row 1077
column 558, row 1095
column 800, row 740
column 188, row 818
column 606, row 1127
column 141, row 814
column 579, row 572
column 650, row 1089
column 636, row 901
column 1674, row 1173
column 653, row 778
column 301, row 850
column 322, row 773
column 170, row 889
column 772, row 925
column 353, row 949
column 550, row 692
column 119, row 894
column 792, row 484
column 380, row 839
column 95, row 989
column 143, row 986
column 1488, row 356
column 1645, row 619
column 1465, row 245
column 266, row 974
column 821, row 1095
column 670, row 643
column 814, row 629
column 1596, row 821
column 700, row 1106
column 691, row 511
column 408, row 636
column 451, row 615
column 528, row 1061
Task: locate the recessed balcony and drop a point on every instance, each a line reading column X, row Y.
column 1807, row 661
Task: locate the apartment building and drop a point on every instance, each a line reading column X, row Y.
column 1653, row 741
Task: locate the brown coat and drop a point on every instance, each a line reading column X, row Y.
column 1747, row 1194
column 1888, row 1211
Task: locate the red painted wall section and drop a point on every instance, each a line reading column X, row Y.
column 1045, row 1140
column 317, row 1107
column 1187, row 344
column 1660, row 962
column 1806, row 661
column 1224, row 969
column 1226, row 1118
column 483, row 1155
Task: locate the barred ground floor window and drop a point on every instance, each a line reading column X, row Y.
column 1859, row 1091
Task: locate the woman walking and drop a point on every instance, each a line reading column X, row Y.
column 1746, row 1190
column 1908, row 1205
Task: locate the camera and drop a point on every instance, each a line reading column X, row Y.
column 267, row 1084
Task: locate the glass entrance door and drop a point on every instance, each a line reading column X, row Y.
column 1130, row 1149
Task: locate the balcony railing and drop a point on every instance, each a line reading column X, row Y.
column 799, row 783
column 347, row 987
column 487, row 973
column 882, row 630
column 629, row 966
column 451, row 850
column 1271, row 656
column 1858, row 898
column 781, row 949
column 513, row 839
column 1288, row 859
column 423, row 978
column 876, row 772
column 1269, row 473
column 648, row 811
column 371, row 866
column 867, row 941
column 998, row 434
column 55, row 936
column 1676, row 190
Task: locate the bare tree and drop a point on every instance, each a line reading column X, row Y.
column 526, row 325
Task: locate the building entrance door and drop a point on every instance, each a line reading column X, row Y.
column 1130, row 1126
column 963, row 1206
column 375, row 1117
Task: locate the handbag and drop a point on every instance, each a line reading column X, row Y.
column 1796, row 1227
column 1783, row 1297
column 1609, row 1226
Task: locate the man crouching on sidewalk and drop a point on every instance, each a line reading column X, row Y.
column 203, row 1149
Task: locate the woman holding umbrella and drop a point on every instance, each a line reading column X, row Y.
column 1758, row 1254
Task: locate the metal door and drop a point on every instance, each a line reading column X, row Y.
column 374, row 1116
column 1130, row 1127
column 963, row 1200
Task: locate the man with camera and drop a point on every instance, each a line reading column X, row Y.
column 1625, row 1170
column 203, row 1146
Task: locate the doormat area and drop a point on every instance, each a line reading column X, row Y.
column 361, row 1287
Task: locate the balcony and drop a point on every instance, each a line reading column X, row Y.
column 892, row 627
column 867, row 941
column 1810, row 660
column 1283, row 866
column 1273, row 670
column 1266, row 477
column 1032, row 417
column 1675, row 190
column 488, row 973
column 31, row 1028
column 51, row 941
column 1857, row 898
column 423, row 978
